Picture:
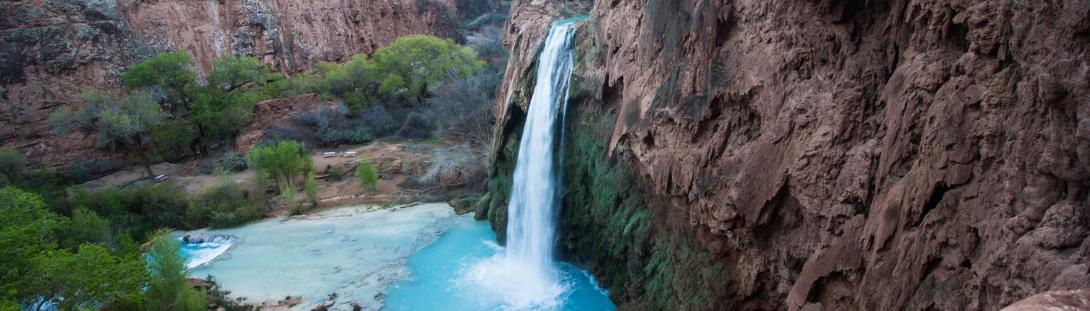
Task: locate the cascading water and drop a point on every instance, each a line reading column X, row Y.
column 531, row 231
column 525, row 276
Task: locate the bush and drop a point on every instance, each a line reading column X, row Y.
column 332, row 126
column 311, row 188
column 225, row 205
column 233, row 162
column 463, row 109
column 416, row 127
column 335, row 173
column 366, row 175
column 86, row 227
column 11, row 164
column 455, row 166
column 85, row 171
column 137, row 211
column 380, row 122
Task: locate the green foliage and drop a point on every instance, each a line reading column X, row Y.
column 166, row 73
column 88, row 279
column 335, row 173
column 168, row 288
column 413, row 62
column 225, row 205
column 172, row 139
column 311, row 188
column 217, row 114
column 281, row 162
column 233, row 72
column 124, row 122
column 26, row 231
column 288, row 195
column 86, row 227
column 137, row 211
column 366, row 175
column 226, row 104
column 11, row 164
column 219, row 297
column 233, row 162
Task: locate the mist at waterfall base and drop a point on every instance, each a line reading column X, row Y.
column 445, row 276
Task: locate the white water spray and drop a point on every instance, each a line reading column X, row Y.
column 526, row 277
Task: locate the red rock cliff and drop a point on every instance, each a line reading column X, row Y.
column 52, row 50
column 834, row 154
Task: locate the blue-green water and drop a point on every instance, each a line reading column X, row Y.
column 441, row 277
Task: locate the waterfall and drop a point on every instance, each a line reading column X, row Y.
column 531, row 213
column 525, row 275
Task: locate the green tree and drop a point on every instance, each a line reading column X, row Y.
column 366, row 174
column 86, row 227
column 168, row 288
column 167, row 74
column 226, row 104
column 26, row 231
column 413, row 62
column 88, row 279
column 217, row 114
column 172, row 139
column 235, row 72
column 123, row 123
column 281, row 162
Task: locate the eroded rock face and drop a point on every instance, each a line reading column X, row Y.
column 860, row 155
column 54, row 49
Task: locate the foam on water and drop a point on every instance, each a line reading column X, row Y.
column 205, row 250
column 525, row 276
column 448, row 275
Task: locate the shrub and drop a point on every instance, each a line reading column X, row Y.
column 11, row 163
column 332, row 126
column 458, row 165
column 463, row 109
column 225, row 205
column 335, row 172
column 86, row 227
column 311, row 188
column 288, row 194
column 233, row 162
column 366, row 175
column 85, row 171
column 380, row 122
column 416, row 126
column 137, row 211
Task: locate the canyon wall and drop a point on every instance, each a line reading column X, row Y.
column 53, row 49
column 826, row 154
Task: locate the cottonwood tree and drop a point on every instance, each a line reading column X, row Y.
column 409, row 65
column 123, row 122
column 281, row 162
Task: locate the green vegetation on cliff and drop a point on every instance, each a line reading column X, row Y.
column 609, row 224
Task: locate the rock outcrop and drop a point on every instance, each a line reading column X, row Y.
column 54, row 49
column 808, row 155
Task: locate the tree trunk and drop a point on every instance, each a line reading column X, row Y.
column 147, row 164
